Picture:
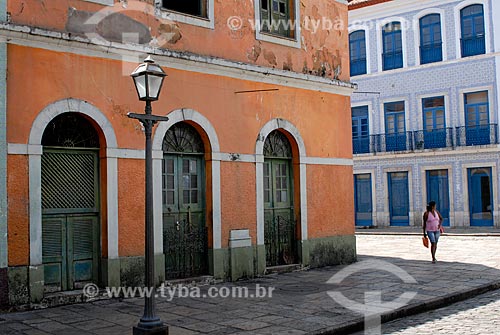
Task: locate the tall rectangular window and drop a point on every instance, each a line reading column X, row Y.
column 392, row 58
column 430, row 39
column 473, row 39
column 395, row 129
column 360, row 130
column 190, row 7
column 434, row 123
column 477, row 118
column 357, row 52
column 275, row 16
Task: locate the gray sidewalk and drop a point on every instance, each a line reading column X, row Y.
column 467, row 266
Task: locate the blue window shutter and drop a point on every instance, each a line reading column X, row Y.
column 357, row 49
column 430, row 39
column 392, row 57
column 473, row 30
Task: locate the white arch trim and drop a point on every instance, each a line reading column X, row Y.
column 416, row 30
column 458, row 24
column 259, row 150
column 366, row 29
column 174, row 117
column 405, row 25
column 35, row 169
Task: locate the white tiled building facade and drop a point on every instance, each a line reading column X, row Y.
column 425, row 116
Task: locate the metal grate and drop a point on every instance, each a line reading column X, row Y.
column 277, row 145
column 182, row 138
column 69, row 180
column 52, row 237
column 83, row 239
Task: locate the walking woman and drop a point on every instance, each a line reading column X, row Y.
column 432, row 226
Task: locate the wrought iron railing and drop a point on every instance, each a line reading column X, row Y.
column 431, row 53
column 358, row 67
column 478, row 135
column 361, row 145
column 432, row 139
column 473, row 46
column 392, row 60
column 428, row 139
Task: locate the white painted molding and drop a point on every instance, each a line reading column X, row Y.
column 458, row 24
column 405, row 25
column 102, row 2
column 276, row 39
column 259, row 172
column 366, row 29
column 416, row 32
column 62, row 42
column 34, row 150
column 176, row 116
column 208, row 22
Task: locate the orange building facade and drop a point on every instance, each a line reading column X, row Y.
column 253, row 170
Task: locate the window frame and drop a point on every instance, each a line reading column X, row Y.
column 358, row 43
column 474, row 35
column 102, row 2
column 261, row 35
column 359, row 119
column 458, row 26
column 204, row 22
column 380, row 25
column 433, row 44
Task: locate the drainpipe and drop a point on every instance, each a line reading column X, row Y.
column 3, row 162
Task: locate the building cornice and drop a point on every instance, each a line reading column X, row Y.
column 66, row 42
column 392, row 8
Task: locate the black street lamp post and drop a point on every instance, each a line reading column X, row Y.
column 148, row 79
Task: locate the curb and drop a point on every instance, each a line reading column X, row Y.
column 413, row 309
column 420, row 233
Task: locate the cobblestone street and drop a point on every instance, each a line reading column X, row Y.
column 300, row 303
column 475, row 316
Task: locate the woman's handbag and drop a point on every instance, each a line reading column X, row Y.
column 425, row 241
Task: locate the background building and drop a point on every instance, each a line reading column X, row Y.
column 425, row 117
column 246, row 175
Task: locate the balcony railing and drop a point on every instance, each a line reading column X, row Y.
column 392, row 60
column 358, row 67
column 431, row 53
column 361, row 145
column 432, row 139
column 473, row 46
column 478, row 135
column 427, row 139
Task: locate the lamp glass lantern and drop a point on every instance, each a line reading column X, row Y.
column 148, row 79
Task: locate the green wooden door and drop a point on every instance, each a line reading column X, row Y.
column 279, row 219
column 279, row 230
column 185, row 234
column 70, row 225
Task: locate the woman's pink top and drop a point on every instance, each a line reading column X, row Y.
column 432, row 222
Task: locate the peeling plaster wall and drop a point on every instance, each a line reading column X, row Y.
column 324, row 37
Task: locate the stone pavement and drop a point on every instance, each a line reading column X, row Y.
column 476, row 316
column 300, row 304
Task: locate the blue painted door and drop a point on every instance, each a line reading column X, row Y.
column 395, row 129
column 434, row 123
column 363, row 199
column 477, row 118
column 480, row 197
column 392, row 58
column 438, row 191
column 360, row 130
column 399, row 202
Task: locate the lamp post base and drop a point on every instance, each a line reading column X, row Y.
column 161, row 330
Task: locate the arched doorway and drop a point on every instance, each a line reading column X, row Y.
column 185, row 237
column 279, row 217
column 70, row 203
